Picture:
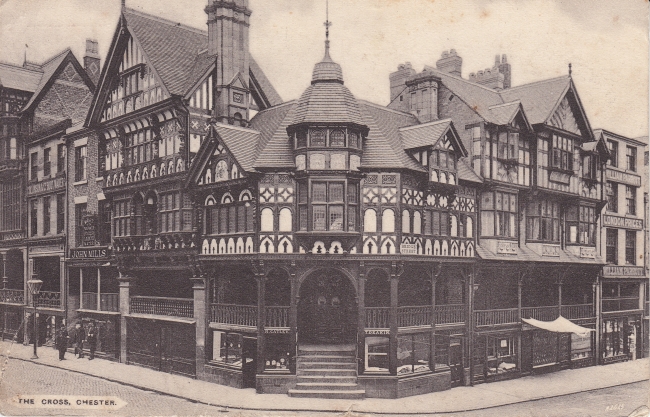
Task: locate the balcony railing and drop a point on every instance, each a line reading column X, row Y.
column 578, row 311
column 12, row 296
column 163, row 306
column 547, row 313
column 620, row 304
column 108, row 301
column 239, row 315
column 377, row 317
column 414, row 316
column 277, row 316
column 450, row 313
column 48, row 299
column 494, row 317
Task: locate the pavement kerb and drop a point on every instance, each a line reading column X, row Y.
column 351, row 409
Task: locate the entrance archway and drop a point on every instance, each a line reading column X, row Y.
column 327, row 311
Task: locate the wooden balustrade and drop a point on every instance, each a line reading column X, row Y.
column 546, row 313
column 48, row 299
column 89, row 301
column 110, row 302
column 163, row 306
column 12, row 296
column 166, row 241
column 240, row 315
column 450, row 313
column 277, row 316
column 414, row 316
column 377, row 317
column 494, row 317
column 620, row 304
column 578, row 311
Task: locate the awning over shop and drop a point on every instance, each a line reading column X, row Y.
column 559, row 325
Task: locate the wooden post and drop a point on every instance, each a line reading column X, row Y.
column 99, row 289
column 392, row 318
column 361, row 319
column 519, row 288
column 433, row 274
column 293, row 318
column 260, row 276
column 597, row 287
column 559, row 313
column 81, row 288
column 470, row 323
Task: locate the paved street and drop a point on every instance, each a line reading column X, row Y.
column 23, row 377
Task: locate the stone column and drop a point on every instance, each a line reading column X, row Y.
column 293, row 317
column 361, row 319
column 201, row 313
column 125, row 309
column 392, row 318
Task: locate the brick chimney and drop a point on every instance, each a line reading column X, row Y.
column 228, row 22
column 497, row 77
column 450, row 63
column 398, row 82
column 91, row 60
column 504, row 68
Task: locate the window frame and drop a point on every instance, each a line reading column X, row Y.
column 81, row 161
column 611, row 197
column 47, row 215
column 630, row 158
column 501, row 229
column 613, row 150
column 33, row 164
column 47, row 162
column 80, row 211
column 561, row 152
column 549, row 219
column 630, row 200
column 60, row 158
column 33, row 217
column 584, row 223
column 611, row 246
column 630, row 247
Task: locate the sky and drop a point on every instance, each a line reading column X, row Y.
column 606, row 41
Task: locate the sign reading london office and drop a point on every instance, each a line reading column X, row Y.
column 96, row 252
column 622, row 222
column 47, row 186
column 623, row 177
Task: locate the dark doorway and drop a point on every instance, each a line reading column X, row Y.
column 456, row 361
column 249, row 353
column 327, row 313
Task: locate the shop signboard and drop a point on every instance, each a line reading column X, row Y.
column 54, row 184
column 408, row 249
column 96, row 252
column 616, row 271
column 89, row 236
column 623, row 177
column 622, row 222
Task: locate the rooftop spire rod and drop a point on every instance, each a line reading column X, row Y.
column 570, row 69
column 327, row 28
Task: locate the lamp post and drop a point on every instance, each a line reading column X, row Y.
column 34, row 286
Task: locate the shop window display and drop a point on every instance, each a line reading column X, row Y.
column 278, row 352
column 618, row 337
column 376, row 355
column 580, row 346
column 501, row 355
column 413, row 353
column 227, row 348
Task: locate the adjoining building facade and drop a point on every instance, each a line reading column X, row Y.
column 37, row 109
column 325, row 246
column 624, row 284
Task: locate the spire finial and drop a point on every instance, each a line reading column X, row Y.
column 327, row 28
column 569, row 69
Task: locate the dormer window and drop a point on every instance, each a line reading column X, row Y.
column 507, row 145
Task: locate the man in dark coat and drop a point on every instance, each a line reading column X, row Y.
column 91, row 337
column 79, row 337
column 61, row 342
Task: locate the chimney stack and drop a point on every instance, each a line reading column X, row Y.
column 398, row 80
column 450, row 63
column 92, row 59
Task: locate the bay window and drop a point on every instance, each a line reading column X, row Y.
column 139, row 147
column 543, row 221
column 581, row 225
column 232, row 217
column 499, row 214
column 327, row 206
column 121, row 218
column 562, row 153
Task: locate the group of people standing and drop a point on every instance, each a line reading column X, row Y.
column 80, row 337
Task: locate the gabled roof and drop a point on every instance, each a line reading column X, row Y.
column 465, row 173
column 52, row 67
column 539, row 98
column 504, row 114
column 19, row 78
column 428, row 134
column 171, row 48
column 274, row 148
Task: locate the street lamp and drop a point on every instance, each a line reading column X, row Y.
column 34, row 286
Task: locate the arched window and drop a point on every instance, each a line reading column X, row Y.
column 417, row 223
column 234, row 172
column 337, row 138
column 469, row 228
column 406, row 222
column 136, row 225
column 454, row 226
column 370, row 221
column 388, row 221
column 226, row 199
column 245, row 196
column 266, row 220
column 285, row 220
column 221, row 171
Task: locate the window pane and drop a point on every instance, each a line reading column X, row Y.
column 337, row 138
column 336, row 192
column 317, row 137
column 319, row 192
column 318, row 215
column 352, row 194
column 336, row 218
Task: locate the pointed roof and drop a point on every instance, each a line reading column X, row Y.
column 428, row 134
column 19, row 78
column 274, row 149
column 539, row 98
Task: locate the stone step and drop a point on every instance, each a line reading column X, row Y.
column 305, row 365
column 332, row 386
column 326, row 372
column 317, row 393
column 322, row 379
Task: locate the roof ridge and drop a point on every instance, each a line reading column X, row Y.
column 165, row 21
column 432, row 123
column 510, row 103
column 430, row 68
column 20, row 67
column 379, row 106
column 56, row 56
column 277, row 106
column 536, row 82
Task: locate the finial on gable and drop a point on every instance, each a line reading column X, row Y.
column 570, row 69
column 123, row 4
column 327, row 29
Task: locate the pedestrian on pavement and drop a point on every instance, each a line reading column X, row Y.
column 61, row 342
column 91, row 337
column 79, row 341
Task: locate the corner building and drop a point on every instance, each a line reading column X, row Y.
column 332, row 247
